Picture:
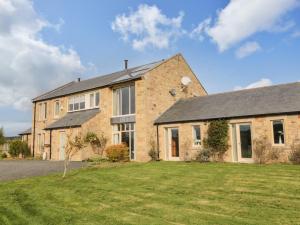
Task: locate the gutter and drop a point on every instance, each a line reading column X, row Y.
column 50, row 144
column 33, row 130
column 157, row 140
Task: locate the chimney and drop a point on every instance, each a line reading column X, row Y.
column 126, row 64
column 78, row 79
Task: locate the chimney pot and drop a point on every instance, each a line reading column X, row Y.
column 78, row 79
column 126, row 64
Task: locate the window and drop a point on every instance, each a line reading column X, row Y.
column 92, row 100
column 278, row 133
column 76, row 103
column 124, row 101
column 196, row 135
column 43, row 111
column 97, row 99
column 56, row 108
column 124, row 133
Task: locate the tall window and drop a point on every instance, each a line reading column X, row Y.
column 97, row 99
column 43, row 111
column 124, row 101
column 124, row 133
column 196, row 135
column 94, row 99
column 278, row 132
column 76, row 103
column 56, row 108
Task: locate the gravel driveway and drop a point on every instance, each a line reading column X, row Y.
column 11, row 170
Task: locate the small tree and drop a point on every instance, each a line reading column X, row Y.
column 217, row 138
column 2, row 138
column 98, row 143
column 73, row 146
column 153, row 152
column 18, row 147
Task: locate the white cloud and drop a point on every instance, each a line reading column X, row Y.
column 148, row 26
column 261, row 83
column 247, row 49
column 201, row 29
column 242, row 18
column 29, row 65
column 296, row 34
column 12, row 128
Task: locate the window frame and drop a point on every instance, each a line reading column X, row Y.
column 54, row 109
column 42, row 111
column 272, row 130
column 194, row 135
column 118, row 111
column 77, row 99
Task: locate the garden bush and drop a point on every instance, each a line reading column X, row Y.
column 19, row 147
column 117, row 153
column 217, row 138
column 261, row 149
column 204, row 155
column 3, row 155
column 294, row 156
column 153, row 153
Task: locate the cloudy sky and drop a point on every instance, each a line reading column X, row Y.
column 230, row 45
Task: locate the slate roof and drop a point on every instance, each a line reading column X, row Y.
column 97, row 82
column 279, row 99
column 73, row 119
column 28, row 131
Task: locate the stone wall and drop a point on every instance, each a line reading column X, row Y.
column 260, row 126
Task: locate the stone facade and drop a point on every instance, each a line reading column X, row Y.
column 260, row 126
column 152, row 98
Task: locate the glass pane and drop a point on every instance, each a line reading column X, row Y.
column 197, row 137
column 92, row 100
column 132, row 150
column 82, row 105
column 175, row 142
column 56, row 108
column 246, row 143
column 76, row 106
column 97, row 99
column 132, row 99
column 125, row 100
column 116, row 139
column 125, row 138
column 116, row 98
column 278, row 132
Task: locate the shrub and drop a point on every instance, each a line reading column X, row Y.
column 204, row 155
column 273, row 154
column 3, row 155
column 18, row 147
column 217, row 138
column 98, row 143
column 261, row 148
column 153, row 153
column 117, row 153
column 294, row 156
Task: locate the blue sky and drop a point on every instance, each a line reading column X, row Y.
column 229, row 44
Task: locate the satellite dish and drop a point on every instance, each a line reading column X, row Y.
column 185, row 81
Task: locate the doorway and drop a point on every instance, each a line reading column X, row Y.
column 173, row 143
column 242, row 143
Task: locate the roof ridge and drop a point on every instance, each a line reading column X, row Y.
column 243, row 90
column 49, row 92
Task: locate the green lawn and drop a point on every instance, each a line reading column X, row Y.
column 157, row 193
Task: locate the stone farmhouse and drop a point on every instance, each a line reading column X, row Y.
column 162, row 103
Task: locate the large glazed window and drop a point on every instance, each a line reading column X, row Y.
column 124, row 101
column 196, row 135
column 124, row 133
column 76, row 103
column 278, row 132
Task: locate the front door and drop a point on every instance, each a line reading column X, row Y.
column 173, row 143
column 62, row 145
column 244, row 143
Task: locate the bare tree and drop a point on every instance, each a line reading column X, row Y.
column 73, row 145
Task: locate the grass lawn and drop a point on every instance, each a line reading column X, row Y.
column 157, row 193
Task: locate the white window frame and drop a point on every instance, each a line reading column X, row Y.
column 76, row 99
column 42, row 111
column 272, row 129
column 120, row 101
column 199, row 142
column 54, row 109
